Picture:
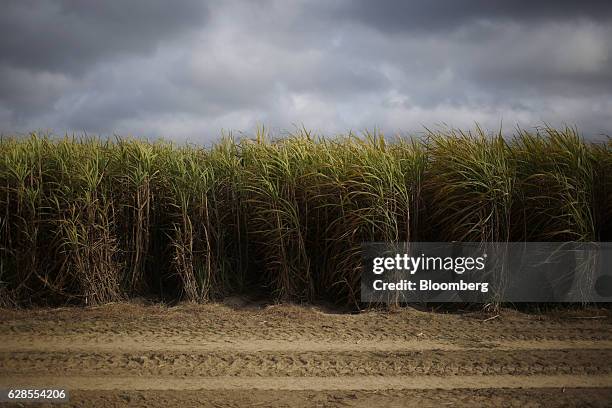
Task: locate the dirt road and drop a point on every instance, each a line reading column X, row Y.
column 253, row 355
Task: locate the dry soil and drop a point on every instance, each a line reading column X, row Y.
column 284, row 355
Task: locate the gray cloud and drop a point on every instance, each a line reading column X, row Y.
column 72, row 35
column 398, row 15
column 186, row 70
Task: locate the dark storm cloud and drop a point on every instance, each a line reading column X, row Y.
column 188, row 69
column 398, row 15
column 71, row 35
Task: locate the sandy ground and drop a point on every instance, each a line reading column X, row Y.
column 284, row 355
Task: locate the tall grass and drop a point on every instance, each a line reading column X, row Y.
column 90, row 221
column 471, row 184
column 559, row 182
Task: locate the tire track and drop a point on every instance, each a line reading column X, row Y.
column 311, row 364
column 177, row 343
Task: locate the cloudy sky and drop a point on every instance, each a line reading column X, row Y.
column 184, row 70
